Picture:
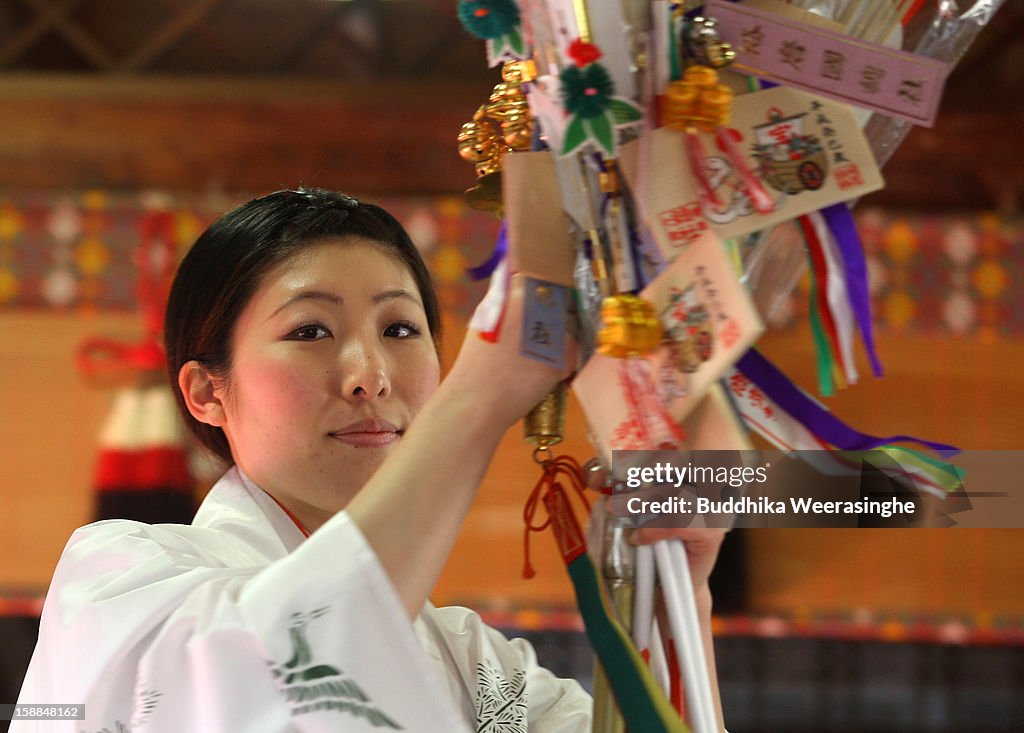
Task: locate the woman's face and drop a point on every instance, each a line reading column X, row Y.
column 331, row 360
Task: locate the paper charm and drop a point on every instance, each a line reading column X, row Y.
column 708, row 322
column 808, row 152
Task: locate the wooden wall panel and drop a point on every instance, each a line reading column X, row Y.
column 968, row 392
column 234, row 135
column 392, row 137
column 961, row 391
column 49, row 421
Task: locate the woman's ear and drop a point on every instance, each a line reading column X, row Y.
column 202, row 398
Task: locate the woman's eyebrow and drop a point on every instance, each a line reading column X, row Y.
column 323, row 295
column 399, row 293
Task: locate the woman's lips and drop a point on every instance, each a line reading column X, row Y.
column 369, row 434
column 368, row 440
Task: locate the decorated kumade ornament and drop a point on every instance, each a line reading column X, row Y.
column 652, row 223
column 588, row 94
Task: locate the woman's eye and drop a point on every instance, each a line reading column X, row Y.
column 312, row 332
column 401, row 330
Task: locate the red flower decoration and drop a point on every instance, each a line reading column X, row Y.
column 583, row 53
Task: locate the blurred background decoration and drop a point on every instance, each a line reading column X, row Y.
column 113, row 112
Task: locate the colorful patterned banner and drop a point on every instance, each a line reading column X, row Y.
column 949, row 275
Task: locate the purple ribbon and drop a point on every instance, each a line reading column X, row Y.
column 777, row 387
column 840, row 222
column 497, row 255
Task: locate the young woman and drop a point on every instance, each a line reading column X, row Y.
column 301, row 337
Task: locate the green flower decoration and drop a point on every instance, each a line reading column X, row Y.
column 497, row 22
column 489, row 19
column 594, row 111
column 587, row 91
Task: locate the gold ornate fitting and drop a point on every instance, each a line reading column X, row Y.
column 479, row 143
column 499, row 127
column 697, row 100
column 630, row 327
column 704, row 42
column 519, row 72
column 608, row 179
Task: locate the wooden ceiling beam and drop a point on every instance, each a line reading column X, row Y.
column 394, row 137
column 46, row 18
column 79, row 39
column 169, row 34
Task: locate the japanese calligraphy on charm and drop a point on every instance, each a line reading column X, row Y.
column 766, row 418
column 808, row 151
column 784, row 50
column 709, row 321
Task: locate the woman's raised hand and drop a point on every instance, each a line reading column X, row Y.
column 508, row 383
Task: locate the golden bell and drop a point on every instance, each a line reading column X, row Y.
column 544, row 425
column 486, row 194
column 629, row 327
column 706, row 44
column 492, row 164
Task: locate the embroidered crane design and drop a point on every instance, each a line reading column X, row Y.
column 310, row 687
column 500, row 702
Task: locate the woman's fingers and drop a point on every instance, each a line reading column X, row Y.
column 701, row 545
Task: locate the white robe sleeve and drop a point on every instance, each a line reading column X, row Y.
column 556, row 705
column 501, row 685
column 153, row 635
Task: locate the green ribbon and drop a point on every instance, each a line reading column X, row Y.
column 675, row 63
column 642, row 703
column 821, row 346
column 946, row 476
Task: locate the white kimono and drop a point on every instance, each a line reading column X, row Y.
column 237, row 624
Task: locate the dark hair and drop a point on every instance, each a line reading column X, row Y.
column 228, row 261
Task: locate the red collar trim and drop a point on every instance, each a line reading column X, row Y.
column 305, row 532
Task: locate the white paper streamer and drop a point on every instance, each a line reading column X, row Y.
column 837, row 296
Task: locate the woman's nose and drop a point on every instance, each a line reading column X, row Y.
column 365, row 375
